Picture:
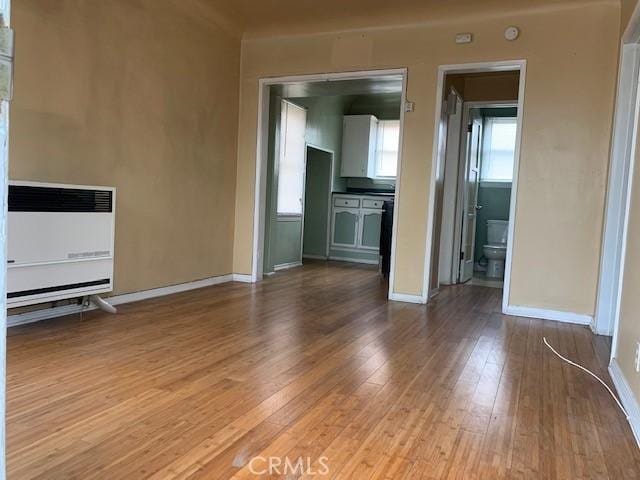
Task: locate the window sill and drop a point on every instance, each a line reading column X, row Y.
column 494, row 184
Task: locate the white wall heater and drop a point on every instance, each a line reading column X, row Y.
column 60, row 242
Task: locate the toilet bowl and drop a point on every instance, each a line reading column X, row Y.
column 496, row 249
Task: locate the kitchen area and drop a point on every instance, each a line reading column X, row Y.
column 331, row 182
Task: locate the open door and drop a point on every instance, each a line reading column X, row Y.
column 470, row 195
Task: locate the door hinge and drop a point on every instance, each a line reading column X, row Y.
column 461, row 256
column 470, row 128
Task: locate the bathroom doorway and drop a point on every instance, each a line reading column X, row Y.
column 475, row 177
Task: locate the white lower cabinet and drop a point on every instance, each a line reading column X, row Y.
column 355, row 228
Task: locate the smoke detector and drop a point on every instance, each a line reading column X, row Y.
column 511, row 33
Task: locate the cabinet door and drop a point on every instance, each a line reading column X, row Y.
column 370, row 229
column 345, row 227
column 358, row 146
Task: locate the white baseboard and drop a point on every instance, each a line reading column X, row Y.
column 162, row 291
column 315, row 257
column 601, row 331
column 544, row 314
column 626, row 397
column 286, row 266
column 46, row 313
column 403, row 297
column 355, row 260
column 242, row 277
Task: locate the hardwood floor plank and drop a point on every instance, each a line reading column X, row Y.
column 312, row 365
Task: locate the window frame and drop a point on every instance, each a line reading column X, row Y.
column 377, row 154
column 487, row 129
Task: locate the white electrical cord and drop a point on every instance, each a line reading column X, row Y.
column 544, row 339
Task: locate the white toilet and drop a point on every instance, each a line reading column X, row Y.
column 496, row 249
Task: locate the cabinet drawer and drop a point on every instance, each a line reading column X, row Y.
column 346, row 202
column 369, row 203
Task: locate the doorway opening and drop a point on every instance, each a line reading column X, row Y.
column 475, row 179
column 329, row 155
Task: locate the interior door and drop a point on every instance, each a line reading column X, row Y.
column 470, row 195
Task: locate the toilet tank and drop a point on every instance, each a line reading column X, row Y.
column 497, row 232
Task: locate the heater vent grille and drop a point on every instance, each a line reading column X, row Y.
column 26, row 198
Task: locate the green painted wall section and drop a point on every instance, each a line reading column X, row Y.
column 287, row 246
column 316, row 202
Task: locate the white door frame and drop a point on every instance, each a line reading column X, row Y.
column 625, row 129
column 333, row 156
column 438, row 156
column 5, row 9
column 459, row 207
column 262, row 155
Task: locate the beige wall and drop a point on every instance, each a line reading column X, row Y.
column 565, row 145
column 143, row 97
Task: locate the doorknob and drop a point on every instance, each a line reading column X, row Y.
column 477, row 207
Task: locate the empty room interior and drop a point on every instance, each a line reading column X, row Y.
column 344, row 239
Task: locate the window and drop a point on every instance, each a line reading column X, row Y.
column 498, row 149
column 293, row 121
column 388, row 141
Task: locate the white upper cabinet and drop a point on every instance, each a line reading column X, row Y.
column 359, row 146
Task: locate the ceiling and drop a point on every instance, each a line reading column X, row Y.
column 361, row 86
column 268, row 17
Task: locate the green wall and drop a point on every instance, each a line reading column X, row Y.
column 288, row 238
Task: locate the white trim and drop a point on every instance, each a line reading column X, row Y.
column 262, row 148
column 315, row 257
column 396, row 198
column 403, row 297
column 354, row 260
column 494, row 184
column 627, row 398
column 169, row 290
column 544, row 314
column 618, row 191
column 287, row 266
column 242, row 277
column 509, row 65
column 43, row 314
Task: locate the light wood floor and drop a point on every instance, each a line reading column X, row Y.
column 315, row 363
